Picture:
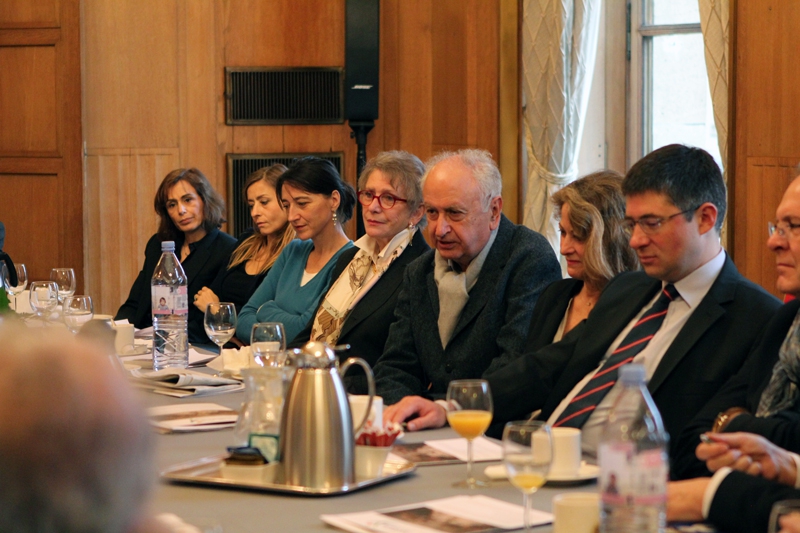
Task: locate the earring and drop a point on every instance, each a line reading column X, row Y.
column 334, row 217
column 410, row 226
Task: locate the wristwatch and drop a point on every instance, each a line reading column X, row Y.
column 725, row 417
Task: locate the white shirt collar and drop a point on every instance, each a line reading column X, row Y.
column 694, row 287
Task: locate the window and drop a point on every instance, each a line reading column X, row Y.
column 669, row 96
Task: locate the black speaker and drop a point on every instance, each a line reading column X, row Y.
column 362, row 51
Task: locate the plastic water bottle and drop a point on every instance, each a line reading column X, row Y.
column 170, row 303
column 633, row 461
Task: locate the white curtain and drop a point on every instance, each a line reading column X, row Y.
column 714, row 17
column 559, row 45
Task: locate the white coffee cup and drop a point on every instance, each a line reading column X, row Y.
column 358, row 406
column 566, row 452
column 576, row 512
column 124, row 339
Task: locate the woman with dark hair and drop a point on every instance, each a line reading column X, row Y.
column 594, row 244
column 190, row 213
column 258, row 249
column 318, row 202
column 359, row 307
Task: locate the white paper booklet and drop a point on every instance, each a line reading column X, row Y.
column 459, row 514
column 180, row 382
column 191, row 417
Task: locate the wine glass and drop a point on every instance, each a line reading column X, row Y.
column 78, row 310
column 43, row 297
column 469, row 412
column 65, row 278
column 22, row 282
column 781, row 509
column 220, row 322
column 268, row 343
column 527, row 454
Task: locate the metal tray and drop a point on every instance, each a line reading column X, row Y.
column 211, row 471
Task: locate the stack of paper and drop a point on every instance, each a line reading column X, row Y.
column 191, row 417
column 183, row 382
column 468, row 514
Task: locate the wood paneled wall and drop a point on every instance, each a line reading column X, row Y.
column 153, row 74
column 767, row 138
column 40, row 135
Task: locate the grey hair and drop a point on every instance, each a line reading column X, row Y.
column 483, row 168
column 405, row 172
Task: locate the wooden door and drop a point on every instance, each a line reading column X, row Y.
column 41, row 201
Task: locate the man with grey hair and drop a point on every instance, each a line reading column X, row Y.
column 464, row 308
column 75, row 447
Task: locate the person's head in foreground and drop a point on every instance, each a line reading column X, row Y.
column 462, row 197
column 594, row 242
column 675, row 204
column 75, row 447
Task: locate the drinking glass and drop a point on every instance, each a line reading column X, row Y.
column 527, row 454
column 781, row 509
column 220, row 322
column 469, row 412
column 78, row 310
column 22, row 282
column 268, row 343
column 43, row 298
column 65, row 278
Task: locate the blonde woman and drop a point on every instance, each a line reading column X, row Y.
column 258, row 250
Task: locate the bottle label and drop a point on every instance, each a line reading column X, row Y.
column 267, row 444
column 169, row 300
column 628, row 477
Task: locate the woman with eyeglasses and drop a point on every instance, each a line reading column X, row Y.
column 594, row 243
column 317, row 203
column 359, row 306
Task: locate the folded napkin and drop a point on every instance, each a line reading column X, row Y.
column 188, row 417
column 180, row 382
column 232, row 361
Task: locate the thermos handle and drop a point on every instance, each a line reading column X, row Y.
column 370, row 385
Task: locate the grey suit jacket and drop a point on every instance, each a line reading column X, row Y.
column 710, row 348
column 491, row 329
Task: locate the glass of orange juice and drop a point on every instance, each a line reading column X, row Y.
column 469, row 412
column 527, row 454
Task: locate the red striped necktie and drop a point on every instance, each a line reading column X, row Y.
column 585, row 402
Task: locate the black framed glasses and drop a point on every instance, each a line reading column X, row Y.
column 386, row 200
column 784, row 229
column 651, row 224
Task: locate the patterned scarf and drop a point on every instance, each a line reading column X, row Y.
column 781, row 392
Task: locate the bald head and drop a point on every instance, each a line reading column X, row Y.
column 75, row 447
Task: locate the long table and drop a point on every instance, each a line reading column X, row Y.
column 240, row 511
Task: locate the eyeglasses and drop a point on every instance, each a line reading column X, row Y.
column 651, row 224
column 386, row 200
column 784, row 229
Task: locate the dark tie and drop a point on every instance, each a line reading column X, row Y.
column 582, row 405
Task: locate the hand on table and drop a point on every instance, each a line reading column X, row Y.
column 429, row 413
column 685, row 499
column 748, row 453
column 204, row 297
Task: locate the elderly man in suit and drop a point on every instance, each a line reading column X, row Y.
column 757, row 408
column 464, row 307
column 690, row 318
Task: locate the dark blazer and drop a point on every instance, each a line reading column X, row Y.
column 710, row 348
column 209, row 255
column 549, row 312
column 490, row 331
column 5, row 258
column 367, row 326
column 742, row 503
column 743, row 390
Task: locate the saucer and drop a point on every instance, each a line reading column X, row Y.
column 136, row 349
column 585, row 474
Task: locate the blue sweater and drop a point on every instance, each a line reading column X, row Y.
column 280, row 298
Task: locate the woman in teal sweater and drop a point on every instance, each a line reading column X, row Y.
column 318, row 202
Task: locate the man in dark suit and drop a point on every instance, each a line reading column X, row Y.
column 5, row 258
column 464, row 307
column 758, row 407
column 690, row 318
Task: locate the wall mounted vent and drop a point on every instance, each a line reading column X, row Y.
column 242, row 165
column 256, row 95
